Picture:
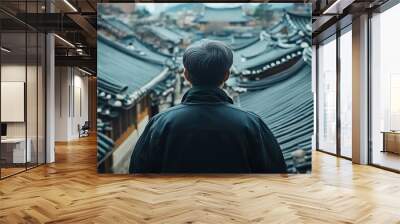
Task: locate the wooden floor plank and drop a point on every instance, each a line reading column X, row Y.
column 70, row 191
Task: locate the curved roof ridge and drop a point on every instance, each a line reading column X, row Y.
column 300, row 14
column 223, row 8
column 275, row 78
column 126, row 51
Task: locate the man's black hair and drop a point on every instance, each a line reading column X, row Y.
column 207, row 62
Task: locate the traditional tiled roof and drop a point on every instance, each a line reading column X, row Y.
column 121, row 76
column 272, row 79
column 278, row 26
column 294, row 22
column 105, row 145
column 230, row 15
column 165, row 87
column 110, row 85
column 236, row 43
column 300, row 21
column 125, row 68
column 184, row 34
column 287, row 108
column 145, row 51
column 263, row 55
column 166, row 34
column 295, row 37
column 307, row 55
column 115, row 25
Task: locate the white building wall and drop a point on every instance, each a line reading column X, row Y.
column 71, row 107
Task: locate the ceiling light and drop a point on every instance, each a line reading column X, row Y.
column 337, row 7
column 5, row 50
column 64, row 40
column 331, row 7
column 84, row 71
column 70, row 5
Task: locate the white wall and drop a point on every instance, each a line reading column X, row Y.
column 81, row 100
column 16, row 73
column 9, row 73
column 71, row 103
column 61, row 103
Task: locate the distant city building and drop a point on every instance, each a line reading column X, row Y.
column 167, row 41
column 215, row 19
column 184, row 14
column 114, row 25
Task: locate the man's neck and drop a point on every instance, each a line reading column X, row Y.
column 204, row 94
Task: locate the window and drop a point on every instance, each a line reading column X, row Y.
column 327, row 96
column 385, row 87
column 22, row 75
column 346, row 94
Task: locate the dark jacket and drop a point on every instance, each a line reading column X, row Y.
column 206, row 133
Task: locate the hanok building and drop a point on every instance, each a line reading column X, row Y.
column 235, row 42
column 272, row 77
column 114, row 25
column 133, row 83
column 300, row 23
column 293, row 26
column 212, row 20
column 264, row 58
column 167, row 41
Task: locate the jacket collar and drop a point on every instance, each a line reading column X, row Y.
column 201, row 94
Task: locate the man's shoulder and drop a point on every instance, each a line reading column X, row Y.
column 232, row 107
column 169, row 111
column 245, row 112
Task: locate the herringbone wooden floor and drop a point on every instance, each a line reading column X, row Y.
column 70, row 191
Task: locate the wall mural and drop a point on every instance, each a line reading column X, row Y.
column 141, row 76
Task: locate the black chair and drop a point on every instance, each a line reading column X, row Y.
column 84, row 130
